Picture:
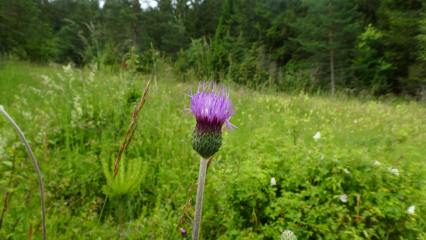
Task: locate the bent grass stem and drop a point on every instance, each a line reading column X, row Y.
column 36, row 167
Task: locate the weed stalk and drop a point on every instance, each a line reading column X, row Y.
column 36, row 167
column 199, row 198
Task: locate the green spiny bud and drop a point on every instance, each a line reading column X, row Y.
column 206, row 143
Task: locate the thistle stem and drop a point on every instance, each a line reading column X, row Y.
column 35, row 164
column 199, row 198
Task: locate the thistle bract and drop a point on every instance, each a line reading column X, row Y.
column 212, row 108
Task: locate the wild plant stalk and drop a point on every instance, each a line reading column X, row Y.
column 131, row 130
column 36, row 168
column 5, row 206
column 7, row 195
column 127, row 138
column 199, row 198
column 188, row 203
column 212, row 108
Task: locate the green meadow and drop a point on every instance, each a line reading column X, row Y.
column 361, row 177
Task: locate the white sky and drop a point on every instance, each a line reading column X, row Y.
column 144, row 3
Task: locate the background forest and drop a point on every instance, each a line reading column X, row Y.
column 356, row 46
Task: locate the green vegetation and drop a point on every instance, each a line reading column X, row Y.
column 356, row 181
column 330, row 141
column 374, row 47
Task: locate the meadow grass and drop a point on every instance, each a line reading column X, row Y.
column 370, row 151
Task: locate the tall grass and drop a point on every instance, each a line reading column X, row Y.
column 83, row 114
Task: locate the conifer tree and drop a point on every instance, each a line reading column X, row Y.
column 327, row 33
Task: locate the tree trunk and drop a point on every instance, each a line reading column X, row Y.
column 330, row 44
column 332, row 80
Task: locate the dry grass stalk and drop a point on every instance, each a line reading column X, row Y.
column 127, row 138
column 131, row 130
column 7, row 196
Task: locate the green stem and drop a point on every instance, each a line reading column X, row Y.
column 199, row 199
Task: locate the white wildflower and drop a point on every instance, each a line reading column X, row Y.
column 91, row 77
column 35, row 90
column 27, row 115
column 77, row 106
column 394, row 171
column 273, row 181
column 377, row 163
column 288, row 235
column 49, row 83
column 76, row 112
column 343, row 198
column 67, row 68
column 411, row 209
column 46, row 80
column 317, row 136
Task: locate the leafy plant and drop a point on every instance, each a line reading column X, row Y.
column 128, row 180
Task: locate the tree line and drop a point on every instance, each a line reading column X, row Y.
column 358, row 46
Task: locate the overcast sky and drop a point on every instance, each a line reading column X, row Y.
column 144, row 3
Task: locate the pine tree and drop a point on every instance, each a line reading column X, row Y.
column 418, row 69
column 399, row 22
column 327, row 34
column 73, row 23
column 23, row 32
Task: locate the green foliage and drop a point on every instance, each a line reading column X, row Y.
column 24, row 32
column 315, row 206
column 249, row 69
column 297, row 79
column 327, row 34
column 357, row 181
column 400, row 24
column 77, row 35
column 196, row 58
column 129, row 177
column 421, row 38
column 165, row 31
column 150, row 60
column 370, row 66
column 417, row 71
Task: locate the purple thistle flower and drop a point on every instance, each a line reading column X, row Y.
column 211, row 107
column 183, row 232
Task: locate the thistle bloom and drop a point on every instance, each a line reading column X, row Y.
column 212, row 108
